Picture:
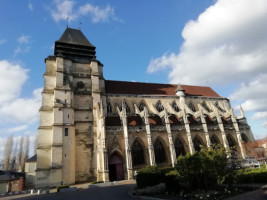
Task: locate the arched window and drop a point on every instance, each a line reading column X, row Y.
column 192, row 107
column 204, row 105
column 137, row 153
column 159, row 106
column 244, row 138
column 231, row 141
column 127, row 108
column 109, row 107
column 159, row 151
column 214, row 140
column 179, row 147
column 175, row 107
column 197, row 144
column 142, row 105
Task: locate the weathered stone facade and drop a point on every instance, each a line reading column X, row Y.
column 93, row 129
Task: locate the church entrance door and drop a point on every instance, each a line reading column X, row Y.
column 115, row 167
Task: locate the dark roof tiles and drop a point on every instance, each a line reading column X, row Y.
column 137, row 88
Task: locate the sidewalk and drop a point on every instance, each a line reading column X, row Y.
column 259, row 194
column 77, row 186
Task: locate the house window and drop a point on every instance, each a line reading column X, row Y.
column 142, row 105
column 159, row 106
column 175, row 107
column 66, row 131
column 159, row 151
column 192, row 107
column 137, row 153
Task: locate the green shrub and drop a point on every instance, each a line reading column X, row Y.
column 149, row 176
column 59, row 187
column 205, row 168
column 172, row 182
column 252, row 177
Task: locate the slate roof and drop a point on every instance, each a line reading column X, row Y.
column 74, row 36
column 32, row 159
column 137, row 88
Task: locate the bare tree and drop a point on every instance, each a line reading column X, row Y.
column 26, row 151
column 13, row 163
column 20, row 153
column 8, row 150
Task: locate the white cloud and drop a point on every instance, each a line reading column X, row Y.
column 30, row 6
column 22, row 109
column 17, row 129
column 2, row 41
column 98, row 14
column 65, row 9
column 226, row 44
column 20, row 50
column 24, row 39
column 12, row 77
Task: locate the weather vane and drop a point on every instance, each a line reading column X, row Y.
column 67, row 22
column 80, row 25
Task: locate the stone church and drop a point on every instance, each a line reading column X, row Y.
column 96, row 129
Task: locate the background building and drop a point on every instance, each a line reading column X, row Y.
column 97, row 129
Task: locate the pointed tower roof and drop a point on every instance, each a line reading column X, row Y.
column 179, row 88
column 75, row 46
column 74, row 36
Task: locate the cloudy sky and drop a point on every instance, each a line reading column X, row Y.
column 221, row 44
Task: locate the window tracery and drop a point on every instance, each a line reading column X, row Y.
column 197, row 144
column 214, row 140
column 179, row 147
column 137, row 153
column 175, row 107
column 192, row 107
column 159, row 106
column 159, row 151
column 142, row 105
column 127, row 108
column 244, row 138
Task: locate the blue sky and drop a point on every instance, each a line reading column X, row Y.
column 217, row 43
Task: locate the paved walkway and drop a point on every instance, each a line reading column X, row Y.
column 115, row 191
column 259, row 194
column 102, row 191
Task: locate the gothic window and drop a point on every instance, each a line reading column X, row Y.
column 244, row 138
column 109, row 107
column 137, row 153
column 197, row 144
column 175, row 107
column 214, row 140
column 218, row 106
column 204, row 105
column 127, row 108
column 192, row 107
column 179, row 148
column 159, row 151
column 159, row 106
column 142, row 105
column 231, row 141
